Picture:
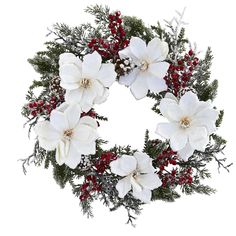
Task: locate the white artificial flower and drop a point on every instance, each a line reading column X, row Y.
column 69, row 134
column 190, row 123
column 85, row 82
column 138, row 174
column 150, row 67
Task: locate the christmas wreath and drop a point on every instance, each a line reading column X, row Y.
column 78, row 67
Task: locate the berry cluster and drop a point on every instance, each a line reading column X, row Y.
column 185, row 176
column 123, row 66
column 179, row 74
column 102, row 164
column 44, row 106
column 55, row 86
column 175, row 177
column 89, row 186
column 109, row 48
column 167, row 157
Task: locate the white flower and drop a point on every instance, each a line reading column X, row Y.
column 190, row 123
column 138, row 174
column 85, row 82
column 69, row 134
column 150, row 66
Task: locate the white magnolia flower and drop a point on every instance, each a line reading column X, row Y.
column 85, row 82
column 150, row 66
column 190, row 123
column 69, row 134
column 138, row 174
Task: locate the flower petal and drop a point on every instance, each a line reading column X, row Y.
column 98, row 88
column 91, row 65
column 84, row 134
column 166, row 130
column 89, row 121
column 171, row 96
column 107, row 74
column 46, row 130
column 103, row 98
column 208, row 114
column 47, row 144
column 60, row 153
column 186, row 152
column 138, row 47
column 178, row 140
column 157, row 50
column 128, row 79
column 69, row 73
column 139, row 87
column 74, row 96
column 124, row 165
column 73, row 113
column 149, row 181
column 123, row 186
column 198, row 138
column 155, row 84
column 144, row 163
column 69, row 86
column 208, row 124
column 159, row 69
column 164, row 106
column 154, row 49
column 85, row 148
column 69, row 58
column 125, row 53
column 87, row 99
column 189, row 103
column 73, row 158
column 59, row 121
column 170, row 110
column 145, row 195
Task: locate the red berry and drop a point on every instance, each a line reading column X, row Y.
column 190, row 53
column 113, row 31
column 40, row 102
column 117, row 13
column 35, row 104
column 162, row 167
column 175, row 76
column 30, row 105
column 111, row 17
column 190, row 179
column 195, row 63
column 119, row 20
column 90, row 45
column 105, row 45
column 173, row 162
column 34, row 113
column 93, row 41
column 186, row 57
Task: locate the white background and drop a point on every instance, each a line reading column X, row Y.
column 34, row 204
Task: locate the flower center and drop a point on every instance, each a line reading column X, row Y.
column 185, row 122
column 144, row 66
column 85, row 83
column 68, row 134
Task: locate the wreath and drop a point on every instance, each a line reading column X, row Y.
column 76, row 71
